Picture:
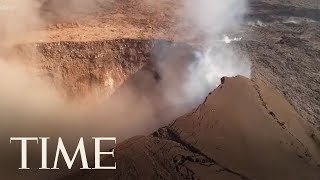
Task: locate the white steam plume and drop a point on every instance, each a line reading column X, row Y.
column 211, row 19
column 212, row 64
column 186, row 83
column 214, row 17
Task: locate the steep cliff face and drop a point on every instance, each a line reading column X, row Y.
column 81, row 70
column 244, row 130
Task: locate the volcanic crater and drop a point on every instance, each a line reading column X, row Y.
column 94, row 69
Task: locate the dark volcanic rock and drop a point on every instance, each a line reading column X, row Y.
column 286, row 51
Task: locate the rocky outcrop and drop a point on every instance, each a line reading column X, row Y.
column 244, row 130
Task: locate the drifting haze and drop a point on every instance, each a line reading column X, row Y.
column 214, row 17
column 211, row 20
column 18, row 17
column 195, row 79
column 30, row 106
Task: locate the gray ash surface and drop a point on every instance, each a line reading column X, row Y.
column 285, row 49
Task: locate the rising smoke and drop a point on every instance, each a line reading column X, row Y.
column 215, row 17
column 32, row 106
column 211, row 20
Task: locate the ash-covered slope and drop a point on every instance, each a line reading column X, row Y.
column 244, row 130
column 282, row 41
